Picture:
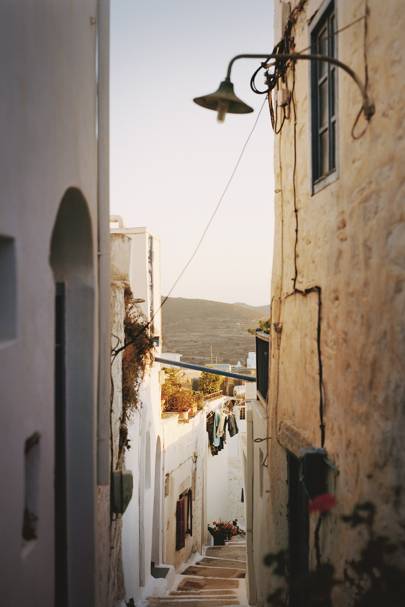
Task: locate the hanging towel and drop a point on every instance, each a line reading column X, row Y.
column 210, row 426
column 216, row 440
column 232, row 425
column 221, row 425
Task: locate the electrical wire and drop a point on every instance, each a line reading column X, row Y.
column 216, row 209
column 280, row 65
column 338, row 31
column 355, row 135
column 116, row 351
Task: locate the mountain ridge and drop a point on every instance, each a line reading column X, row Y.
column 197, row 327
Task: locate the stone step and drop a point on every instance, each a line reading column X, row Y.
column 218, row 562
column 201, row 583
column 169, row 602
column 207, row 571
column 204, row 593
column 234, row 553
column 195, row 595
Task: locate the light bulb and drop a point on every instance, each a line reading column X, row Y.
column 222, row 109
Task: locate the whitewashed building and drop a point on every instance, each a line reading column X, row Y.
column 225, row 473
column 185, row 487
column 138, row 538
column 54, row 325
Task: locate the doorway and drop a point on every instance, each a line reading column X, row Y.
column 71, row 260
column 156, row 520
column 298, row 530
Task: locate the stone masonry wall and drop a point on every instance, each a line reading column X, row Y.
column 346, row 244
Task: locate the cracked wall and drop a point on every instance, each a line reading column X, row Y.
column 350, row 244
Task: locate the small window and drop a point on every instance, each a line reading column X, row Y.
column 323, row 97
column 8, row 299
column 262, row 364
column 184, row 518
column 31, row 488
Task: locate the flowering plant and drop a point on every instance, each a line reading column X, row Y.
column 227, row 526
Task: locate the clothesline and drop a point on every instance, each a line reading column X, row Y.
column 218, row 422
column 219, row 405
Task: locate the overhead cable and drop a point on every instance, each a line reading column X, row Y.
column 117, row 350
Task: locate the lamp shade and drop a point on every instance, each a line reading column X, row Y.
column 224, row 97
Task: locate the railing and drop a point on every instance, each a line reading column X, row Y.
column 262, row 364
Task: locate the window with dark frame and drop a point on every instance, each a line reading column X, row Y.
column 323, row 97
column 184, row 518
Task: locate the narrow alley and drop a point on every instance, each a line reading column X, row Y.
column 215, row 580
column 202, row 303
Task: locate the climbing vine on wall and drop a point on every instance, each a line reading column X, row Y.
column 136, row 356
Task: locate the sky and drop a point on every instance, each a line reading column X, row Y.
column 170, row 158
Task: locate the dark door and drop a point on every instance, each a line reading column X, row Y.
column 61, row 586
column 298, row 530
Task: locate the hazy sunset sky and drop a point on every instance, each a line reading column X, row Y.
column 170, row 159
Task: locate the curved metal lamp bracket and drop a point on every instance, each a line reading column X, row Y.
column 368, row 106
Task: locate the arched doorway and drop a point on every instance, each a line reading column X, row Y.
column 71, row 260
column 156, row 520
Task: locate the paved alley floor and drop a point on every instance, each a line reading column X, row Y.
column 216, row 579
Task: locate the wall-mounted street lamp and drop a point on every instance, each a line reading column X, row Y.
column 225, row 101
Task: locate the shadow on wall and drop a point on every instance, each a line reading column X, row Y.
column 71, row 260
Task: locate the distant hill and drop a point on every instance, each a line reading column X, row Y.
column 192, row 326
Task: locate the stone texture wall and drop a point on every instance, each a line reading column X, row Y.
column 346, row 245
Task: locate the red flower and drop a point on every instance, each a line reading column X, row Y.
column 322, row 503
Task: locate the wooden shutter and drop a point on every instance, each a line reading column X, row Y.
column 180, row 524
column 189, row 512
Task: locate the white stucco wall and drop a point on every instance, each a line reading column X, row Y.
column 182, row 442
column 144, row 270
column 49, row 146
column 131, row 264
column 225, row 479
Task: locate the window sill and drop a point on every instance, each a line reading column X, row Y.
column 324, row 182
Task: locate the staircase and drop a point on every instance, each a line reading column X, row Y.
column 217, row 579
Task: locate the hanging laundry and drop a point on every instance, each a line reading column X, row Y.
column 217, row 437
column 221, row 424
column 217, row 424
column 210, row 432
column 232, row 425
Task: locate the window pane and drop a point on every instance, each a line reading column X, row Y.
column 322, row 50
column 323, row 91
column 332, row 91
column 331, row 36
column 323, row 104
column 324, row 154
column 332, row 164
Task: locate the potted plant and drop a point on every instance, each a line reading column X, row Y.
column 227, row 528
column 218, row 533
